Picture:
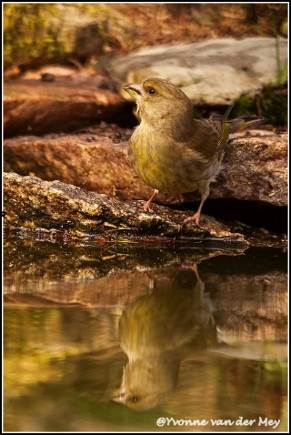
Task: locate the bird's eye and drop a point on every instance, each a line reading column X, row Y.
column 134, row 399
column 151, row 91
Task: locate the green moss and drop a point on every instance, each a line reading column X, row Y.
column 274, row 105
column 243, row 105
column 31, row 34
column 37, row 34
column 271, row 104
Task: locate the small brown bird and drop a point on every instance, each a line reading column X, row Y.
column 170, row 150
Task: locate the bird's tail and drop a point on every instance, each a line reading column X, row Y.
column 243, row 123
column 229, row 126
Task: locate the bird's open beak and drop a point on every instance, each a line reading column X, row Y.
column 118, row 397
column 133, row 90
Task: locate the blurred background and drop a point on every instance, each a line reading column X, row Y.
column 37, row 34
column 51, row 40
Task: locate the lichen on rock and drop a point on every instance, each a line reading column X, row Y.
column 36, row 204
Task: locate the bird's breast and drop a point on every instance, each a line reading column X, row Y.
column 163, row 163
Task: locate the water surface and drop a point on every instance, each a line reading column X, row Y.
column 110, row 339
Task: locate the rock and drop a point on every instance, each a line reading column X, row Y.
column 99, row 77
column 95, row 160
column 58, row 71
column 59, row 33
column 212, row 72
column 255, row 165
column 241, row 316
column 65, row 104
column 55, row 206
column 255, row 168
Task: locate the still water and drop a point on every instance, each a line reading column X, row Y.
column 112, row 339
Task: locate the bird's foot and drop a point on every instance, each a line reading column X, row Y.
column 195, row 218
column 147, row 207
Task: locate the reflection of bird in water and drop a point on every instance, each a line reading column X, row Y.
column 157, row 331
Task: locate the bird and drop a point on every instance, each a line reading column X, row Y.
column 159, row 330
column 172, row 151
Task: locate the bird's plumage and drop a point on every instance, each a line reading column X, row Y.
column 170, row 150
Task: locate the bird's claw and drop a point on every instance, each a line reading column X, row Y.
column 195, row 218
column 147, row 208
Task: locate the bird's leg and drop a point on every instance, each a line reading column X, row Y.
column 200, row 288
column 194, row 267
column 147, row 206
column 196, row 216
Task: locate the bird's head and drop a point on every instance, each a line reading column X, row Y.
column 160, row 103
column 146, row 382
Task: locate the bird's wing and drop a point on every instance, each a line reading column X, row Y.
column 209, row 136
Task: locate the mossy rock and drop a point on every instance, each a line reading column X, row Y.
column 37, row 34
